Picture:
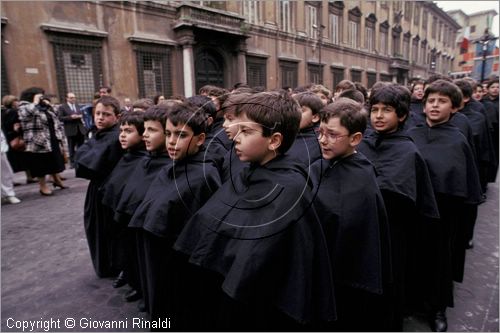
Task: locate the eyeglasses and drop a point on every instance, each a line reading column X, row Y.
column 330, row 137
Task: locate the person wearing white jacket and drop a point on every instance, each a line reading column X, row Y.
column 8, row 194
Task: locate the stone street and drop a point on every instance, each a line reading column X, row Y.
column 47, row 273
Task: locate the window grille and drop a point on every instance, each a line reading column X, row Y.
column 355, row 75
column 256, row 71
column 153, row 70
column 338, row 75
column 289, row 74
column 385, row 78
column 78, row 65
column 371, row 78
column 314, row 73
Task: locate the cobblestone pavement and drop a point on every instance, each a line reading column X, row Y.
column 47, row 272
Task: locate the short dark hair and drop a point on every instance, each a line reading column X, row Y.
column 415, row 83
column 492, row 81
column 311, row 100
column 186, row 113
column 233, row 102
column 319, row 88
column 303, row 88
column 397, row 96
column 157, row 98
column 436, row 77
column 275, row 112
column 344, row 85
column 157, row 113
column 107, row 100
column 29, row 94
column 205, row 89
column 219, row 93
column 349, row 112
column 446, row 88
column 353, row 94
column 465, row 87
column 240, row 85
column 108, row 89
column 362, row 89
column 203, row 103
column 135, row 118
column 143, row 103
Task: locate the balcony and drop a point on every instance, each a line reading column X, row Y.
column 193, row 16
column 398, row 62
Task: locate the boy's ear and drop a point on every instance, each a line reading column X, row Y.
column 201, row 139
column 275, row 141
column 401, row 119
column 210, row 121
column 356, row 139
column 315, row 118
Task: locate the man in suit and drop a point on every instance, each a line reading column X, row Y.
column 71, row 115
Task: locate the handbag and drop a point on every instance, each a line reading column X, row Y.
column 17, row 144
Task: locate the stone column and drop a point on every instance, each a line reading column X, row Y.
column 185, row 38
column 242, row 63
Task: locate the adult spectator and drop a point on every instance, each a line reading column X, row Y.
column 104, row 91
column 72, row 117
column 158, row 98
column 43, row 138
column 127, row 105
column 11, row 126
column 8, row 194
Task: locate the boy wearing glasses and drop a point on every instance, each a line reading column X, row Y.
column 405, row 184
column 256, row 248
column 351, row 209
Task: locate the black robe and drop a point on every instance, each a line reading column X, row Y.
column 455, row 180
column 123, row 241
column 416, row 115
column 217, row 144
column 232, row 166
column 305, row 148
column 351, row 208
column 485, row 154
column 173, row 197
column 406, row 187
column 491, row 112
column 95, row 160
column 261, row 245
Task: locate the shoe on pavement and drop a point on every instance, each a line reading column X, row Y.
column 12, row 200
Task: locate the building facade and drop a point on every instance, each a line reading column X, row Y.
column 142, row 48
column 469, row 53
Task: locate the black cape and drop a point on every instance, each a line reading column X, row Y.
column 119, row 177
column 450, row 161
column 401, row 169
column 260, row 233
column 178, row 190
column 305, row 148
column 232, row 166
column 416, row 115
column 352, row 212
column 142, row 176
column 95, row 160
column 217, row 144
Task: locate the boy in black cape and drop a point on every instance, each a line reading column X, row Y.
column 232, row 165
column 305, row 148
column 256, row 247
column 175, row 194
column 456, row 184
column 131, row 130
column 406, row 187
column 140, row 178
column 352, row 212
column 95, row 159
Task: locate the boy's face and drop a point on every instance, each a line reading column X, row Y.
column 493, row 90
column 129, row 136
column 251, row 145
column 154, row 135
column 438, row 109
column 323, row 97
column 181, row 141
column 478, row 93
column 308, row 118
column 104, row 116
column 335, row 140
column 418, row 91
column 230, row 124
column 384, row 118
